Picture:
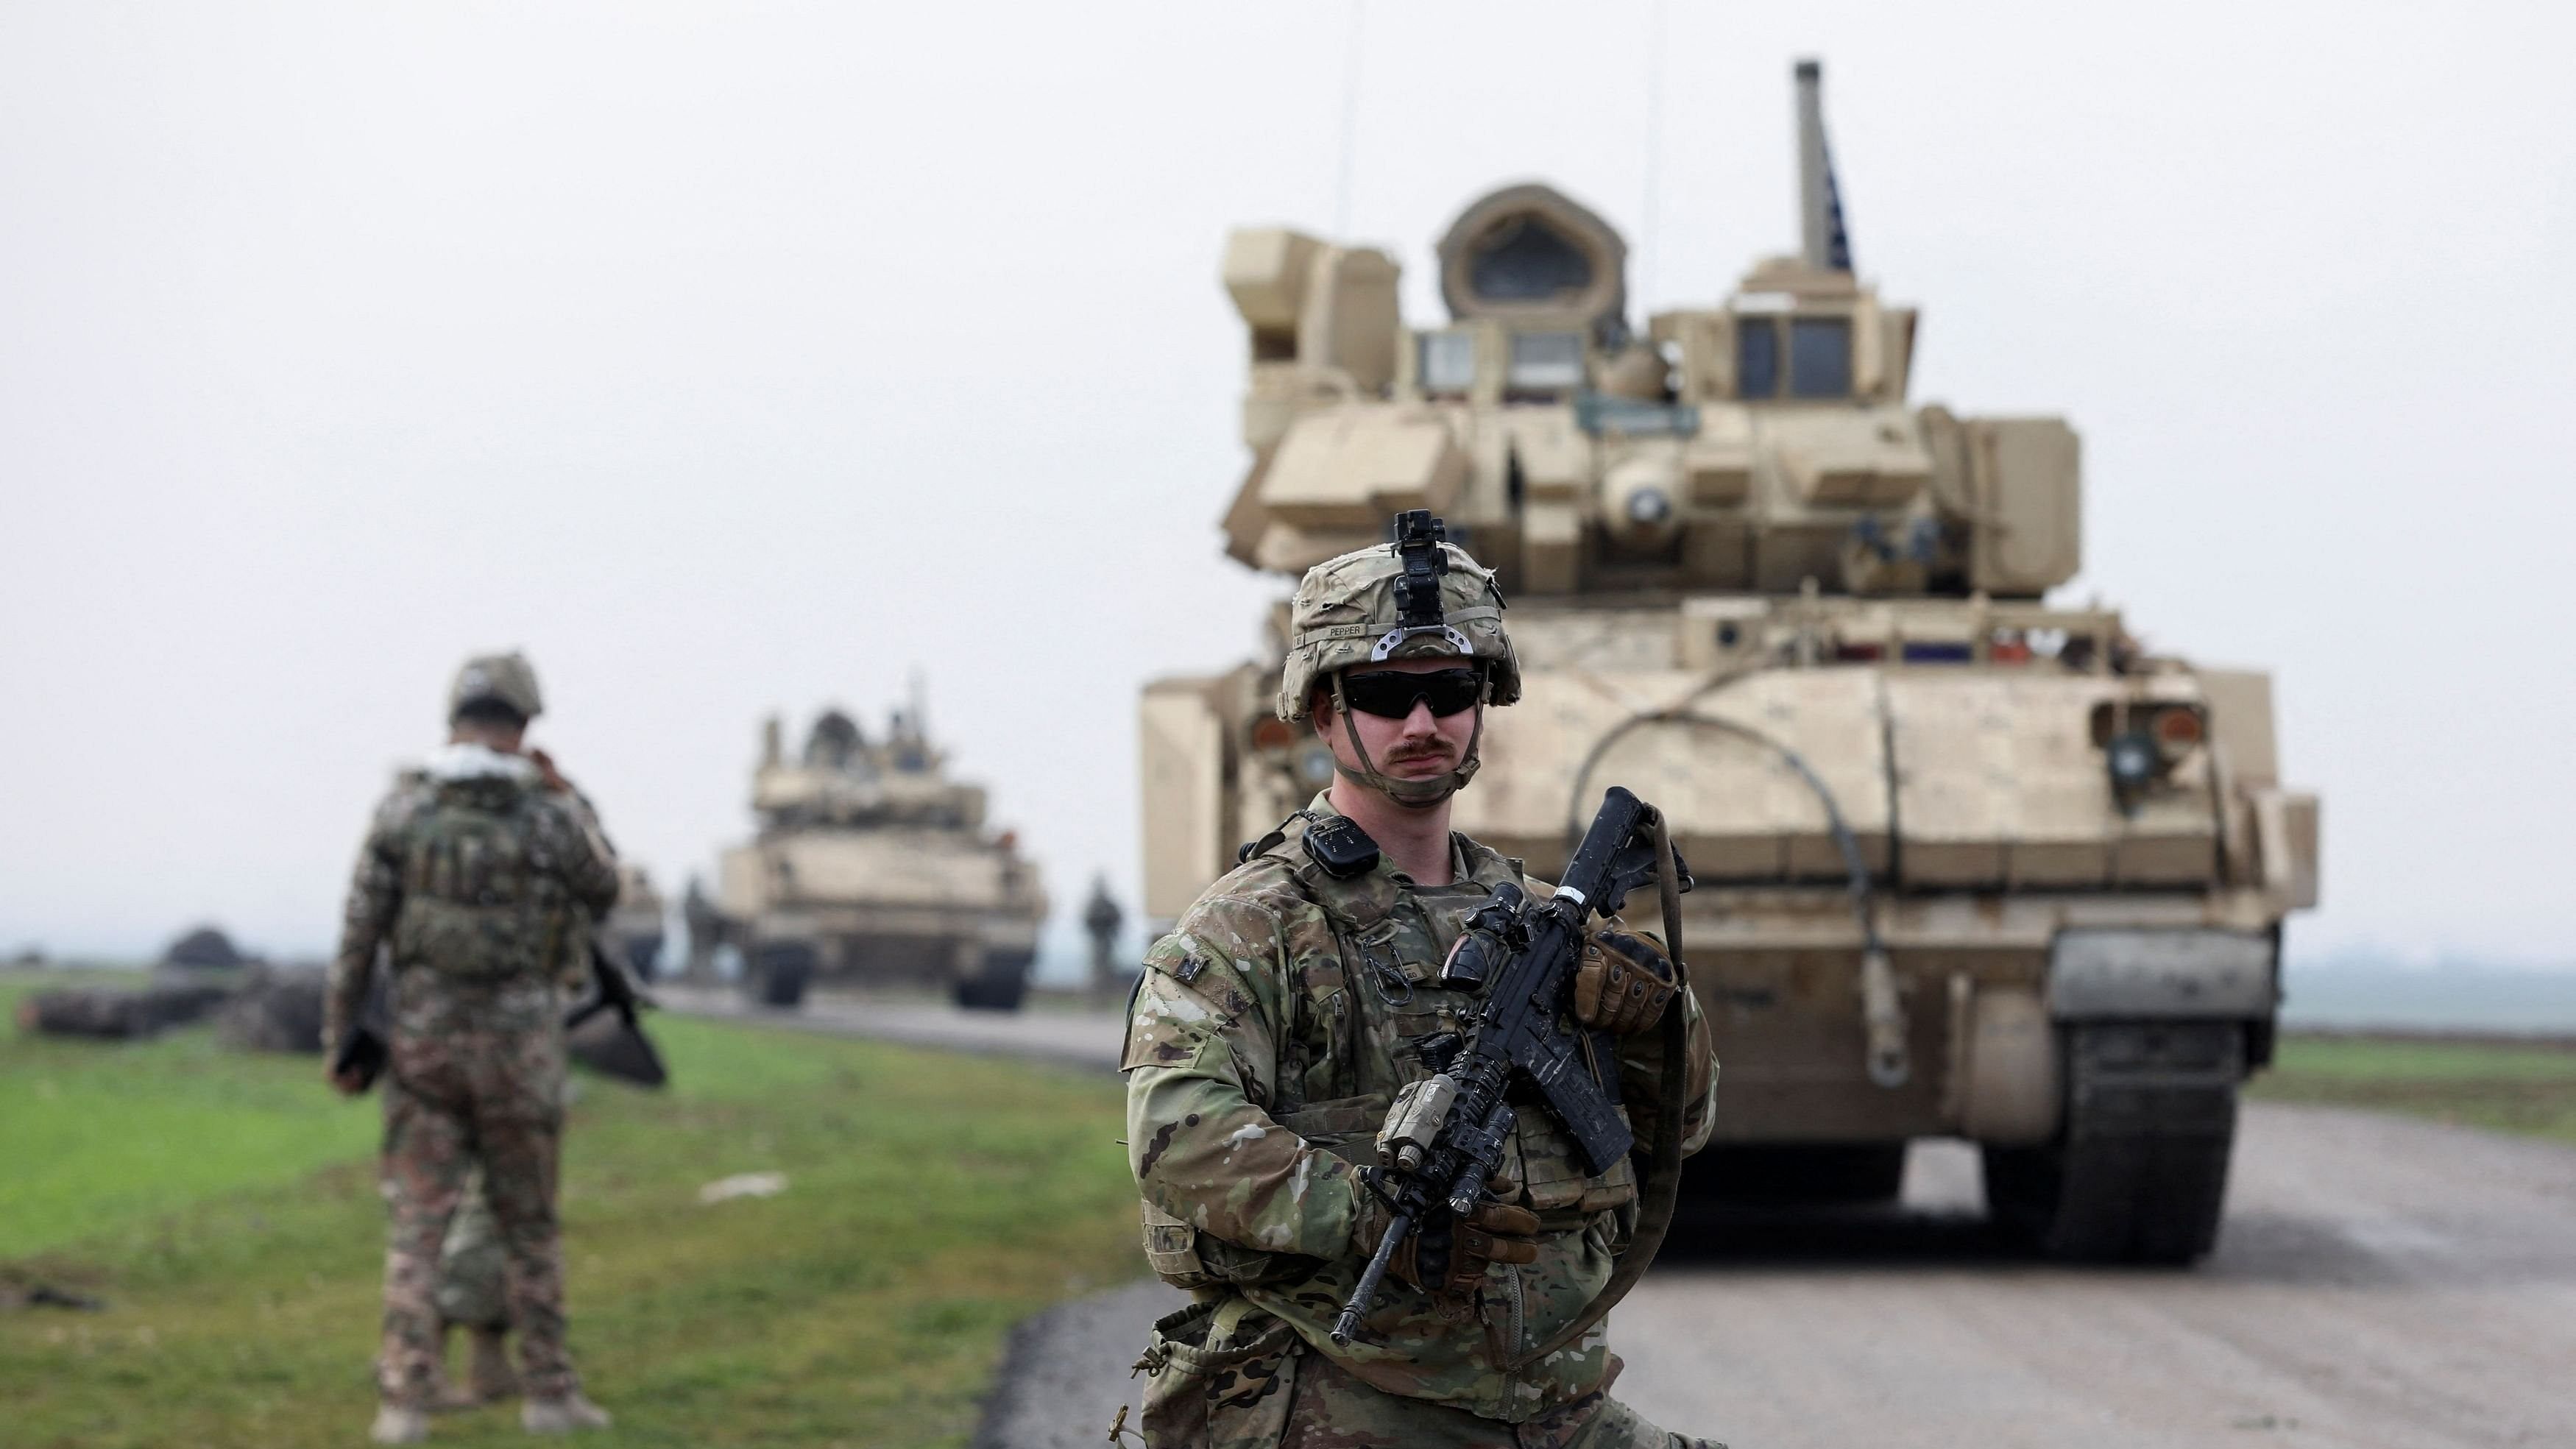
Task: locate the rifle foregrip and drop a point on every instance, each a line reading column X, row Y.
column 1364, row 1296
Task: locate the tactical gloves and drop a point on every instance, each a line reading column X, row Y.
column 1450, row 1254
column 1623, row 982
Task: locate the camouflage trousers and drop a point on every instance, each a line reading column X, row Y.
column 473, row 1265
column 1274, row 1392
column 452, row 1104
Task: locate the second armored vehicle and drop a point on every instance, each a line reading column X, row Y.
column 1970, row 864
column 872, row 868
column 635, row 928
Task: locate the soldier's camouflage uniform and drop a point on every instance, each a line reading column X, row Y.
column 482, row 883
column 1271, row 1031
column 473, row 1263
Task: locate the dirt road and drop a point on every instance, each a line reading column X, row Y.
column 1059, row 1034
column 2381, row 1284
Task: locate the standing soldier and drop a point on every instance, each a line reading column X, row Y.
column 1101, row 920
column 706, row 930
column 483, row 879
column 1275, row 1024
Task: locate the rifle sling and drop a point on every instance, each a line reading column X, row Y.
column 1661, row 1192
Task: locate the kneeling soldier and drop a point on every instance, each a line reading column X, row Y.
column 1276, row 1024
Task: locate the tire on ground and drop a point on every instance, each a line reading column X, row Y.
column 999, row 983
column 779, row 973
column 2138, row 1173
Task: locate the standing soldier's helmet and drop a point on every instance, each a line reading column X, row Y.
column 507, row 680
column 1419, row 597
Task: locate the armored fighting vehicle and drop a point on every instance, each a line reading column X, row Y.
column 1969, row 864
column 873, row 869
column 634, row 930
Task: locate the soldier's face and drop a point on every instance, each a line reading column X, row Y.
column 1420, row 746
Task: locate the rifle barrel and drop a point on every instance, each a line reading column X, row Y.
column 1370, row 1277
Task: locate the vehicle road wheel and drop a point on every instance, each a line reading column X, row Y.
column 998, row 984
column 2139, row 1171
column 780, row 972
column 642, row 954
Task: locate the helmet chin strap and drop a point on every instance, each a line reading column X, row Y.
column 1404, row 792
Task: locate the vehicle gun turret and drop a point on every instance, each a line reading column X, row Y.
column 1764, row 444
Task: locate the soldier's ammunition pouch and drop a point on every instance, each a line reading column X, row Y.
column 468, row 942
column 1221, row 1373
column 1560, row 1191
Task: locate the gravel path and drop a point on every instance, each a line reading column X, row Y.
column 1072, row 1036
column 1069, row 1369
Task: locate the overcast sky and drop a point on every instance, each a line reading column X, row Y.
column 742, row 357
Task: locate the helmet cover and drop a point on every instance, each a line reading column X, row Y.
column 1362, row 607
column 507, row 679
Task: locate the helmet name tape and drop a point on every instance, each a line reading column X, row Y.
column 1331, row 632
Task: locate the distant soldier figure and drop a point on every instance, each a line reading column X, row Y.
column 1291, row 1002
column 484, row 878
column 1102, row 919
column 706, row 931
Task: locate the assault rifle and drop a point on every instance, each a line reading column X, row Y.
column 626, row 1052
column 611, row 989
column 1445, row 1135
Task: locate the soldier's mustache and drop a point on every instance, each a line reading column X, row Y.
column 1432, row 751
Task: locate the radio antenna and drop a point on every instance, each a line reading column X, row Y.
column 1350, row 127
column 1654, row 152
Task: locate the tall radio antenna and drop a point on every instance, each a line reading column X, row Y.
column 1654, row 152
column 1350, row 127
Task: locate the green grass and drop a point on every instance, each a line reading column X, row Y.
column 122, row 1133
column 933, row 1200
column 2529, row 1089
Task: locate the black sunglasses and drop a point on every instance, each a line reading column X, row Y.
column 1392, row 693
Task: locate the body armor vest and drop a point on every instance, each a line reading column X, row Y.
column 1371, row 1021
column 483, row 900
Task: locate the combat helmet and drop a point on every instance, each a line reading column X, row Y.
column 1418, row 597
column 507, row 679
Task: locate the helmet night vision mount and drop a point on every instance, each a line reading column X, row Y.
column 1417, row 546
